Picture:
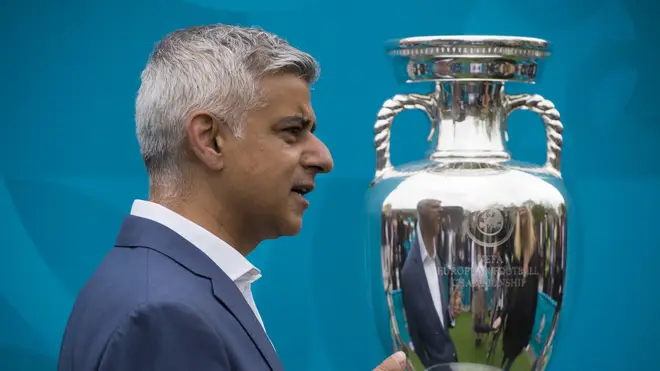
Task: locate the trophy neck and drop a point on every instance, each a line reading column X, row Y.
column 470, row 121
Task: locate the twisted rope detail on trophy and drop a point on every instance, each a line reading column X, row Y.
column 553, row 126
column 382, row 129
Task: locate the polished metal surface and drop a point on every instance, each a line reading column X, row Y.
column 500, row 58
column 472, row 244
column 462, row 367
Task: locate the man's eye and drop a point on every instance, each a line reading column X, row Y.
column 295, row 130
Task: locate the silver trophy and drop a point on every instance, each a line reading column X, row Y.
column 472, row 243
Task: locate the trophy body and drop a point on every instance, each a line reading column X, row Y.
column 472, row 243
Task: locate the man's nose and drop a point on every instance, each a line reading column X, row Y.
column 318, row 156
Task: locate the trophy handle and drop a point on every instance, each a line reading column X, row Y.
column 390, row 109
column 553, row 126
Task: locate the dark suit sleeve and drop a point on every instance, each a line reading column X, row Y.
column 164, row 337
column 411, row 320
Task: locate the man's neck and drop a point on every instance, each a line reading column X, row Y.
column 212, row 219
column 429, row 241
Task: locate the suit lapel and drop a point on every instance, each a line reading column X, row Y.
column 144, row 233
column 426, row 290
column 421, row 277
column 227, row 293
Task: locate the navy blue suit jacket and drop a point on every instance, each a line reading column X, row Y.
column 432, row 341
column 157, row 302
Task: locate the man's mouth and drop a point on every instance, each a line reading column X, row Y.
column 302, row 189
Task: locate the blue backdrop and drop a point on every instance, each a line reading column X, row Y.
column 70, row 165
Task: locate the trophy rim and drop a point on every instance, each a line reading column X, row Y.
column 468, row 57
column 470, row 40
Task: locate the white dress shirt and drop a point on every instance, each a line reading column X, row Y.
column 450, row 247
column 431, row 271
column 233, row 263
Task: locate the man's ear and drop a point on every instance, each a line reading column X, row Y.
column 206, row 138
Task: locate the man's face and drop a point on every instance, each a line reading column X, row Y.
column 430, row 213
column 276, row 161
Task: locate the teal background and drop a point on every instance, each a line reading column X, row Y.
column 70, row 166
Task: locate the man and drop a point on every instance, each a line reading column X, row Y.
column 226, row 130
column 423, row 290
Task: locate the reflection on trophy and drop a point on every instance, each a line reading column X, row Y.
column 428, row 311
column 472, row 244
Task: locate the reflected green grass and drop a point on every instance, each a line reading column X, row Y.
column 464, row 340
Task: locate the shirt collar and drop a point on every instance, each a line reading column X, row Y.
column 233, row 263
column 422, row 246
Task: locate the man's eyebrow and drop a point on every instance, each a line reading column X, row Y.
column 298, row 119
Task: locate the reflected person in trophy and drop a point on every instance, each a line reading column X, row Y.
column 522, row 282
column 423, row 288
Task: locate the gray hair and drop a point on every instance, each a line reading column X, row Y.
column 215, row 68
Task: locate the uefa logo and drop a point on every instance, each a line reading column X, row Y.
column 490, row 222
column 490, row 227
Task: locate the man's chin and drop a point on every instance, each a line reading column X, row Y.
column 291, row 226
